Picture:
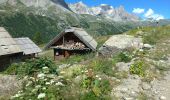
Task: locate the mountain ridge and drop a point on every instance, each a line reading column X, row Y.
column 105, row 10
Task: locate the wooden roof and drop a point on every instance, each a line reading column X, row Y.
column 7, row 44
column 80, row 33
column 27, row 46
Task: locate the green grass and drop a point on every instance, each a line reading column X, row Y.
column 152, row 35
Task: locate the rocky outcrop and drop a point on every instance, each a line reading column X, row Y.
column 9, row 85
column 117, row 43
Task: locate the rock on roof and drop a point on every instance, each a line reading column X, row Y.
column 27, row 46
column 80, row 33
column 7, row 43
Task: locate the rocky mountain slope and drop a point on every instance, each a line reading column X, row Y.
column 107, row 11
column 49, row 17
column 37, row 3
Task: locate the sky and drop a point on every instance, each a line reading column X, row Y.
column 156, row 9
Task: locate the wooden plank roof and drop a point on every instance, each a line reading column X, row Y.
column 7, row 44
column 80, row 33
column 27, row 46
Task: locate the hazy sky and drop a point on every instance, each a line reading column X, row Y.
column 144, row 8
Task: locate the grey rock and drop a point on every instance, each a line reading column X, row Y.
column 146, row 86
column 128, row 98
column 123, row 66
column 9, row 84
column 117, row 43
column 162, row 98
column 147, row 46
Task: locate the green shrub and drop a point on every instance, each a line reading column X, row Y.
column 138, row 68
column 89, row 96
column 32, row 66
column 103, row 66
column 100, row 87
column 42, row 86
column 12, row 69
column 105, row 86
column 125, row 57
column 78, row 58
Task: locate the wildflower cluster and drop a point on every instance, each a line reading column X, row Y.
column 40, row 86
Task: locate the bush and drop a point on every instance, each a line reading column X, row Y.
column 103, row 66
column 32, row 66
column 12, row 69
column 43, row 86
column 89, row 96
column 99, row 87
column 138, row 68
column 125, row 57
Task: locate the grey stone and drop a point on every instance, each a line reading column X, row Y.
column 162, row 98
column 148, row 46
column 146, row 86
column 9, row 84
column 117, row 43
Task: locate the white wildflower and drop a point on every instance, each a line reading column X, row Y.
column 59, row 84
column 41, row 76
column 100, row 78
column 45, row 79
column 97, row 76
column 47, row 83
column 141, row 50
column 86, row 71
column 32, row 78
column 44, row 68
column 34, row 90
column 20, row 91
column 38, row 86
column 62, row 72
column 25, row 77
column 44, row 88
column 41, row 95
column 68, row 79
column 16, row 96
column 29, row 83
column 51, row 76
column 52, row 81
column 61, row 76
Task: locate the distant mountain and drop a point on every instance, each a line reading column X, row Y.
column 104, row 10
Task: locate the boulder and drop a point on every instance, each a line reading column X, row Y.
column 117, row 43
column 9, row 84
